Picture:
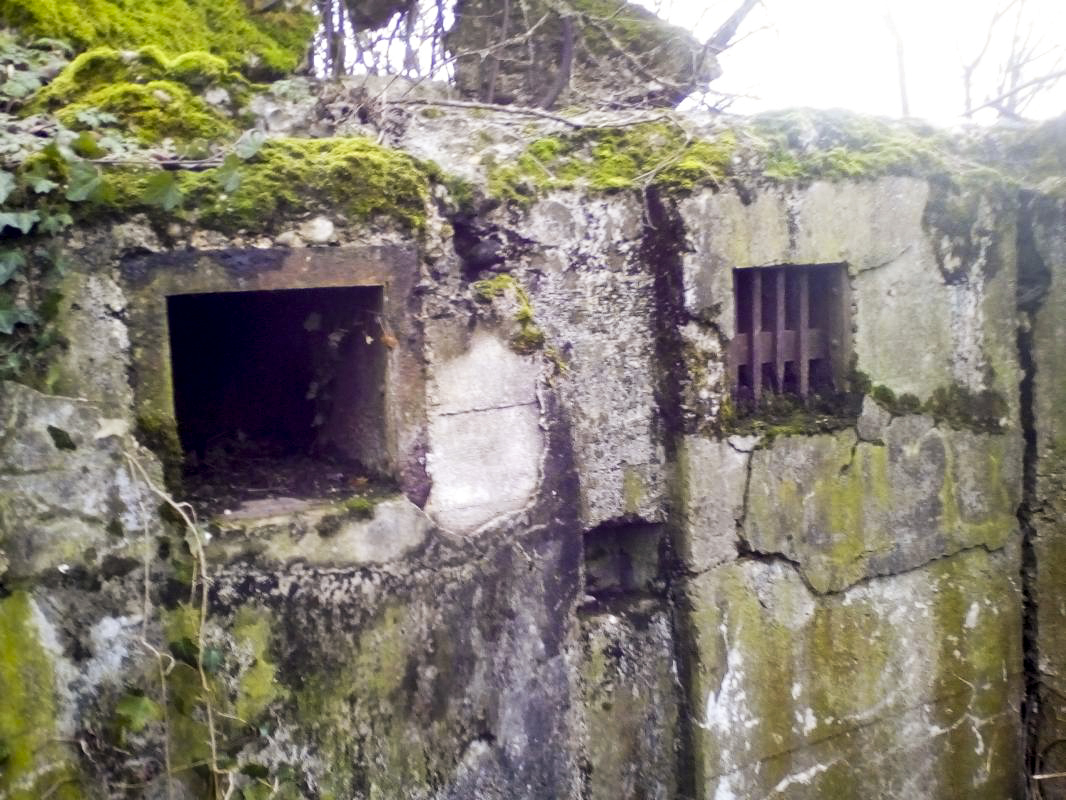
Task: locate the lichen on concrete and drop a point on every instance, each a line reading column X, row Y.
column 33, row 761
column 844, row 509
column 866, row 678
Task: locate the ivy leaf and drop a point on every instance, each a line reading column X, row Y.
column 20, row 84
column 248, row 145
column 212, row 660
column 255, row 771
column 136, row 711
column 228, row 175
column 54, row 223
column 22, row 221
column 40, row 184
column 85, row 181
column 162, row 190
column 7, row 185
column 8, row 320
column 10, row 316
column 94, row 118
column 185, row 650
column 10, row 263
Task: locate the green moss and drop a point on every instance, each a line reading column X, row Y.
column 258, row 686
column 105, row 67
column 791, row 415
column 372, row 682
column 200, row 70
column 798, row 145
column 905, row 403
column 960, row 407
column 613, row 159
column 288, row 178
column 152, row 96
column 529, row 338
column 804, row 144
column 153, row 111
column 159, row 432
column 99, row 67
column 359, row 507
column 487, row 290
column 36, row 763
column 260, row 44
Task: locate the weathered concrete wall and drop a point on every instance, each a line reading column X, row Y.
column 839, row 579
column 592, row 579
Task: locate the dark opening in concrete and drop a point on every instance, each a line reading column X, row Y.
column 280, row 387
column 624, row 558
column 791, row 329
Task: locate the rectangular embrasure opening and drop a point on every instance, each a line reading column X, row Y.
column 279, row 392
column 791, row 326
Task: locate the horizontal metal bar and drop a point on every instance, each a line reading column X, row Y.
column 740, row 347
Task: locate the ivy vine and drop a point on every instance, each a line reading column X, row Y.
column 50, row 176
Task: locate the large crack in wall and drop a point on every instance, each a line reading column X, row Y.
column 1033, row 282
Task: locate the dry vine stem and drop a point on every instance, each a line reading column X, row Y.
column 188, row 516
column 160, row 657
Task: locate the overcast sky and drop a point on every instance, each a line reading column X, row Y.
column 841, row 54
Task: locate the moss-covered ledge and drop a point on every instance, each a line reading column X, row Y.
column 266, row 44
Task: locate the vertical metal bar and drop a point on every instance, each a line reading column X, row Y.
column 738, row 361
column 779, row 330
column 803, row 330
column 756, row 335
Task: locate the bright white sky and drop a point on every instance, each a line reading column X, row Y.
column 841, row 54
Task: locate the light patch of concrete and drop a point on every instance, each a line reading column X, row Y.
column 397, row 528
column 283, row 530
column 485, row 438
column 712, row 475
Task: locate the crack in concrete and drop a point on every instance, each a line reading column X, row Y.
column 892, row 260
column 742, row 540
column 747, row 553
column 485, row 409
column 1033, row 283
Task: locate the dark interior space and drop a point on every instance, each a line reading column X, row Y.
column 624, row 558
column 278, row 392
column 775, row 296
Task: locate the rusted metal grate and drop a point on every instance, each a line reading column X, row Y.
column 784, row 318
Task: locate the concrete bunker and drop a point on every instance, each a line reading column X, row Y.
column 290, row 381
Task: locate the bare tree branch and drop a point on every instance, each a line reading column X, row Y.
column 997, row 102
column 900, row 65
column 566, row 63
column 724, row 35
